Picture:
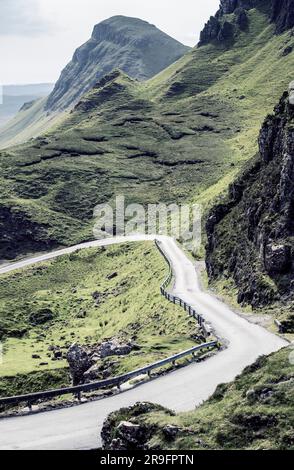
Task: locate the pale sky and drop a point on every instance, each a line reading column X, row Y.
column 39, row 37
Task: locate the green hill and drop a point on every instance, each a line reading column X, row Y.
column 183, row 135
column 130, row 44
column 136, row 47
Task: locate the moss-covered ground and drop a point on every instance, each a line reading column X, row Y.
column 86, row 307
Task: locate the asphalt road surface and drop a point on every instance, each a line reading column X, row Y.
column 79, row 427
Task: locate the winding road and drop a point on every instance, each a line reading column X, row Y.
column 79, row 427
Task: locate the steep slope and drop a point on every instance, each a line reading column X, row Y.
column 251, row 235
column 253, row 413
column 182, row 135
column 136, row 47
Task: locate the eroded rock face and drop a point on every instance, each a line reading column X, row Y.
column 280, row 12
column 250, row 236
column 277, row 259
column 229, row 6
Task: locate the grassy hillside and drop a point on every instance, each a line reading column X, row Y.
column 71, row 299
column 253, row 413
column 135, row 46
column 184, row 135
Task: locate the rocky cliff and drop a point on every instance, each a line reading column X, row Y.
column 222, row 27
column 132, row 45
column 251, row 235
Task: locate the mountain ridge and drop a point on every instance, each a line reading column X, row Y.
column 135, row 46
column 182, row 136
column 218, row 28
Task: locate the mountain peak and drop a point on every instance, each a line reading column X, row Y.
column 132, row 45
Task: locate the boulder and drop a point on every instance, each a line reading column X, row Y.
column 171, row 432
column 287, row 51
column 79, row 362
column 114, row 348
column 57, row 354
column 112, row 276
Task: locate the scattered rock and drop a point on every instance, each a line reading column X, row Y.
column 287, row 51
column 112, row 276
column 96, row 295
column 36, row 356
column 57, row 354
column 82, row 314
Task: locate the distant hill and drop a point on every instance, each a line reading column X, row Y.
column 15, row 96
column 134, row 46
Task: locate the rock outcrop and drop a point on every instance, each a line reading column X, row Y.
column 124, row 429
column 79, row 362
column 282, row 14
column 134, row 46
column 250, row 235
column 220, row 27
column 86, row 363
